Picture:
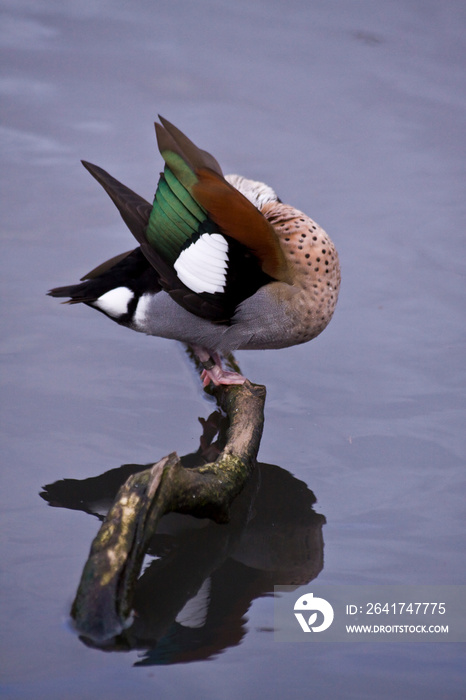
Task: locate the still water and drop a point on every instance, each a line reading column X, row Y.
column 354, row 112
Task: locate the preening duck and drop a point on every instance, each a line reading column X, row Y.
column 222, row 264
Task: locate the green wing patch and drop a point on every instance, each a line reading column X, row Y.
column 175, row 217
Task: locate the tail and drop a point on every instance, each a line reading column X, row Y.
column 130, row 270
column 79, row 293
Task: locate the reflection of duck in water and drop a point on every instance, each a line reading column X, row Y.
column 280, row 543
column 191, row 600
column 222, row 265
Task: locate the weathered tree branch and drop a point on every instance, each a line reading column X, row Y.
column 103, row 601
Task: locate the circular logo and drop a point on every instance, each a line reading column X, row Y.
column 307, row 603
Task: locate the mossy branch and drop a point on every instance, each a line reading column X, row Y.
column 103, row 602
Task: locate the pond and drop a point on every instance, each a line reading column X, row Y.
column 353, row 112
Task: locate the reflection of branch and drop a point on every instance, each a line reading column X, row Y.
column 104, row 598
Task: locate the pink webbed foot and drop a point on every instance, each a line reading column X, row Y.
column 213, row 370
column 219, row 376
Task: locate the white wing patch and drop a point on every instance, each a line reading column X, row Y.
column 194, row 613
column 115, row 302
column 203, row 266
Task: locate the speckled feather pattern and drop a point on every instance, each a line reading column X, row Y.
column 316, row 268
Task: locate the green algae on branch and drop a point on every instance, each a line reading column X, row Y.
column 103, row 602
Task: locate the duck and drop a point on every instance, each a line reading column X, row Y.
column 222, row 264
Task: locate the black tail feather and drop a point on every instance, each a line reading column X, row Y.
column 77, row 293
column 129, row 270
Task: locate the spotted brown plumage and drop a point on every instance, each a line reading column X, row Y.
column 222, row 263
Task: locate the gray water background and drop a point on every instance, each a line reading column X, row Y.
column 354, row 111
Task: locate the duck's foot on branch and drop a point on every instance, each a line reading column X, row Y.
column 213, row 369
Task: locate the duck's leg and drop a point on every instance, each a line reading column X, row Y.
column 213, row 370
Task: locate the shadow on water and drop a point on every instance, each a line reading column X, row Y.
column 191, row 600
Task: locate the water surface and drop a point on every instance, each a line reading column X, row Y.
column 353, row 112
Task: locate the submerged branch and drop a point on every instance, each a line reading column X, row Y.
column 103, row 601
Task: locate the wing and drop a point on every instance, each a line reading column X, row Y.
column 210, row 246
